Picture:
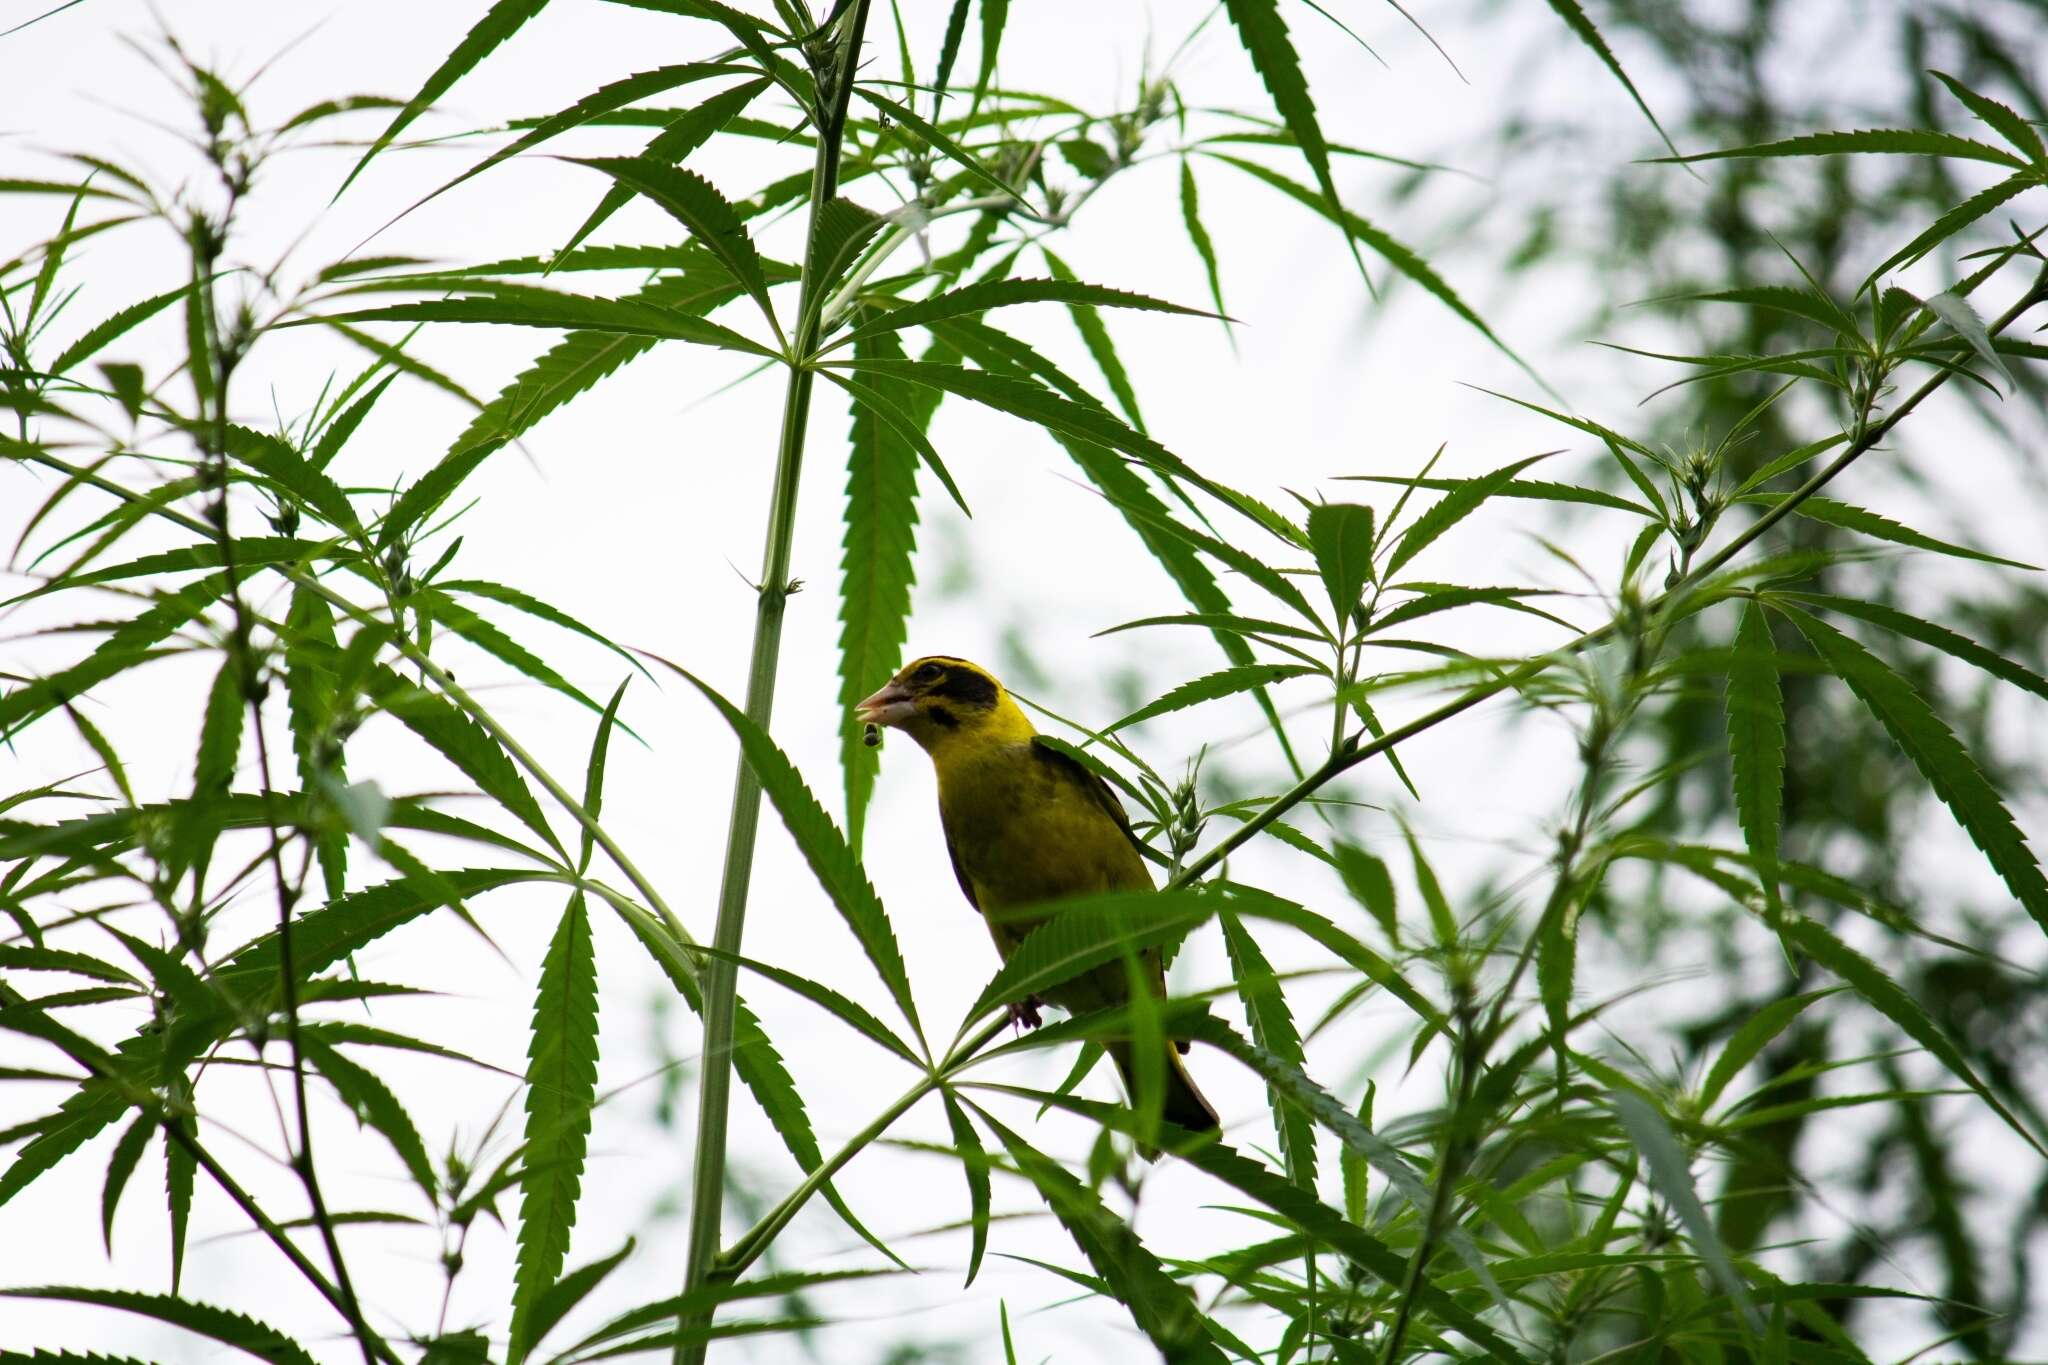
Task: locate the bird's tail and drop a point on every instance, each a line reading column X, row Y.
column 1181, row 1103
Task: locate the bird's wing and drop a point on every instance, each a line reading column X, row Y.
column 959, row 872
column 1092, row 783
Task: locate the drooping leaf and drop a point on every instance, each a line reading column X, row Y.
column 374, row 1104
column 1163, row 1309
column 1888, row 998
column 1263, row 34
column 1574, row 16
column 974, row 1165
column 1941, row 759
column 1880, row 527
column 831, row 858
column 499, row 23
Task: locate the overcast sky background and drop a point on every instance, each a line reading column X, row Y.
column 639, row 512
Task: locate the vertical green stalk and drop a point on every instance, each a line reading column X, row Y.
column 835, row 59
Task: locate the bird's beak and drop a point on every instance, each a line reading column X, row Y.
column 891, row 706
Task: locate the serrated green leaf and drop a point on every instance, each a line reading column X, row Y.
column 120, row 1165
column 1263, row 34
column 561, row 1087
column 1076, row 935
column 694, row 202
column 1947, row 766
column 1574, row 16
column 1882, row 994
column 465, row 744
column 1879, row 527
column 974, row 1165
column 1341, row 535
column 684, row 134
column 1449, row 510
column 832, row 860
column 565, row 1293
column 216, row 1324
column 499, row 23
column 95, row 339
column 1198, row 236
column 373, row 1103
column 1898, row 141
column 1272, row 1024
column 2002, row 120
column 1756, row 741
column 876, row 572
column 1228, row 682
column 1955, row 220
column 974, row 299
column 1756, row 1033
column 936, row 140
column 1953, row 309
column 1928, row 633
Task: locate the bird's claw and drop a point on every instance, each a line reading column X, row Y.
column 1024, row 1014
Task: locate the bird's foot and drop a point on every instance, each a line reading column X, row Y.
column 1024, row 1014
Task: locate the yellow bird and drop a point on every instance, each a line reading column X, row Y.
column 1026, row 824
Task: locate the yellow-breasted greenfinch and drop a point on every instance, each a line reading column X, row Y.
column 1026, row 824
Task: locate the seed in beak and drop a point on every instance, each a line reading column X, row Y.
column 871, row 735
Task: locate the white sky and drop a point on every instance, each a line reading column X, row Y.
column 639, row 513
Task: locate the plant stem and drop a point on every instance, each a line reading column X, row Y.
column 707, row 1194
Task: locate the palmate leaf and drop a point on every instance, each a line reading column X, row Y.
column 216, row 1324
column 499, row 23
column 1884, row 995
column 1164, row 1309
column 832, row 860
column 1228, row 682
column 1941, row 759
column 1272, row 1024
column 876, row 572
column 1756, row 741
column 561, row 1086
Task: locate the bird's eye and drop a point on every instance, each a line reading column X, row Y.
column 929, row 673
